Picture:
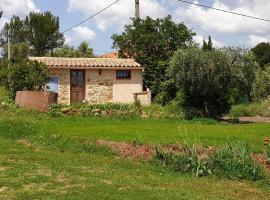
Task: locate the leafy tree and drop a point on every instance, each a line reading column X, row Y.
column 40, row 31
column 261, row 85
column 23, row 75
column 84, row 50
column 203, row 79
column 152, row 43
column 244, row 68
column 65, row 51
column 19, row 51
column 262, row 53
column 68, row 51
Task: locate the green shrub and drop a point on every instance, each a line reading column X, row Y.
column 250, row 110
column 89, row 110
column 235, row 161
column 261, row 85
column 232, row 161
column 186, row 162
column 23, row 75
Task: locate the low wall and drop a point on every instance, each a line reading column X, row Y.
column 35, row 100
column 143, row 97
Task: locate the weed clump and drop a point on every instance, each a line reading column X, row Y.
column 232, row 161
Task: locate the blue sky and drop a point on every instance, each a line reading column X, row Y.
column 225, row 29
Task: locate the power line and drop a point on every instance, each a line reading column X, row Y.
column 90, row 17
column 226, row 11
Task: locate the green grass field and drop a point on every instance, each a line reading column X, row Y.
column 34, row 169
column 204, row 132
column 34, row 172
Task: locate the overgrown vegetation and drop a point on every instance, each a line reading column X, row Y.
column 251, row 110
column 23, row 75
column 231, row 161
column 121, row 111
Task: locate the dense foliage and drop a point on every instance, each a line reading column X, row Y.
column 204, row 79
column 23, row 75
column 261, row 85
column 233, row 161
column 83, row 51
column 152, row 43
column 40, row 31
column 262, row 52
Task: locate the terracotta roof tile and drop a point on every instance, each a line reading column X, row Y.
column 57, row 62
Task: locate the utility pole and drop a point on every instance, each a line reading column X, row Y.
column 9, row 36
column 137, row 8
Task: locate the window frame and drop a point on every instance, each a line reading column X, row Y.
column 123, row 77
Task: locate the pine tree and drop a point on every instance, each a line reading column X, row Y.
column 210, row 43
column 205, row 45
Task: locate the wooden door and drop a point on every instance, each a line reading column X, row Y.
column 77, row 86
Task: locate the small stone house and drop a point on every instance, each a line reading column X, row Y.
column 96, row 80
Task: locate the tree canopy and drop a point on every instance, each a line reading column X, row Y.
column 40, row 31
column 152, row 42
column 262, row 53
column 23, row 75
column 208, row 46
column 211, row 81
column 83, row 51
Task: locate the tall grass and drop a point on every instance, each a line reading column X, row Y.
column 232, row 161
column 250, row 110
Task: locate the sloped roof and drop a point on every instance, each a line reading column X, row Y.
column 113, row 54
column 59, row 62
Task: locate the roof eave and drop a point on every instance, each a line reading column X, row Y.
column 84, row 67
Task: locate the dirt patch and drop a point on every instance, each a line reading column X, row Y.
column 202, row 152
column 28, row 144
column 4, row 168
column 262, row 159
column 108, row 182
column 3, row 189
column 147, row 152
column 61, row 179
column 130, row 151
column 256, row 119
column 44, row 172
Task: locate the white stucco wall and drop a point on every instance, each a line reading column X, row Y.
column 124, row 89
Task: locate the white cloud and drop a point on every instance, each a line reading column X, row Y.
column 68, row 39
column 119, row 14
column 255, row 39
column 199, row 39
column 80, row 34
column 216, row 21
column 16, row 7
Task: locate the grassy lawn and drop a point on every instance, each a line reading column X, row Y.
column 153, row 131
column 34, row 172
column 30, row 170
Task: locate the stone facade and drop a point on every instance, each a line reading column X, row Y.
column 99, row 86
column 63, row 85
